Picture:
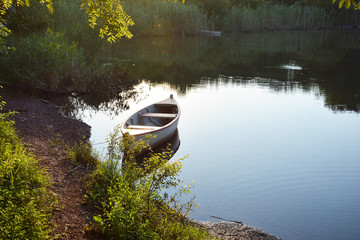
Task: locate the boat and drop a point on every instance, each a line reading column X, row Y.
column 160, row 120
column 209, row 33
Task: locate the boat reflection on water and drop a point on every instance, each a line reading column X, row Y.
column 170, row 146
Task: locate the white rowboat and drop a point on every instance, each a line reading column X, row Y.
column 160, row 119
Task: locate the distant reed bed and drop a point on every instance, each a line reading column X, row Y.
column 162, row 17
column 282, row 17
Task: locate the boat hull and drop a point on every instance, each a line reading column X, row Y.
column 159, row 136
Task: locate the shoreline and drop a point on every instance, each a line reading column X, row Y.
column 38, row 123
column 236, row 231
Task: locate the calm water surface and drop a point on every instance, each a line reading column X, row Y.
column 270, row 122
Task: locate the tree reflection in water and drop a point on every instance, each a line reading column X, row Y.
column 317, row 60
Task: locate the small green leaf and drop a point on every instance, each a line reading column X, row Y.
column 341, row 3
column 97, row 219
column 348, row 4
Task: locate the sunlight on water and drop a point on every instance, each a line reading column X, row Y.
column 103, row 123
column 291, row 66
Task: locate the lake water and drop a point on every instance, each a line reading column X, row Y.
column 270, row 123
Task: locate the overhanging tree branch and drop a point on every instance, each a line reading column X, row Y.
column 114, row 21
column 348, row 3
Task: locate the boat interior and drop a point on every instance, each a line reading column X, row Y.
column 152, row 117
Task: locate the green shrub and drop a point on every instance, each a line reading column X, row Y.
column 25, row 203
column 22, row 20
column 7, row 132
column 132, row 196
column 46, row 61
column 50, row 61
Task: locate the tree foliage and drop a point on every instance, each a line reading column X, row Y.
column 109, row 15
column 348, row 3
column 6, row 5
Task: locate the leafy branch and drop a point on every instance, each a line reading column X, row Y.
column 114, row 21
column 348, row 3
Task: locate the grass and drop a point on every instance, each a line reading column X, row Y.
column 25, row 203
column 82, row 153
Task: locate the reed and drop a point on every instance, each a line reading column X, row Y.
column 72, row 22
column 161, row 17
column 276, row 17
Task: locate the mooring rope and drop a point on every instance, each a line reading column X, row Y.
column 99, row 143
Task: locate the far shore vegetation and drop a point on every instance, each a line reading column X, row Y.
column 59, row 51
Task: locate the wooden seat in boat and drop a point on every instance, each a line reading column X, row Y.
column 159, row 115
column 142, row 127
